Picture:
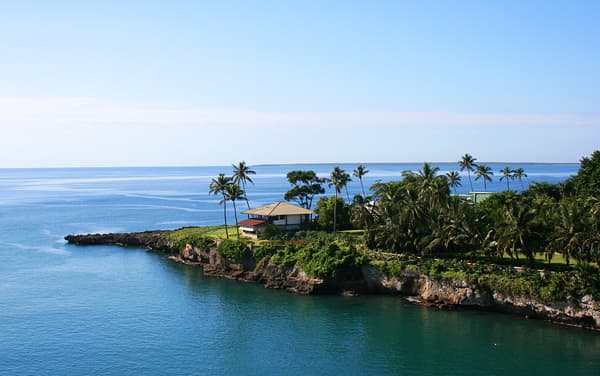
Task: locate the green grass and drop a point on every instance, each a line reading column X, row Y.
column 206, row 231
column 354, row 232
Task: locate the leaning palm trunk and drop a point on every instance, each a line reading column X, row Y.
column 470, row 182
column 362, row 187
column 237, row 228
column 225, row 215
column 245, row 194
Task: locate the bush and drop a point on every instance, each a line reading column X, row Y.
column 234, row 250
column 183, row 237
column 265, row 250
column 271, row 232
column 333, row 259
column 285, row 257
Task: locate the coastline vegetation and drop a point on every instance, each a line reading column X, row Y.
column 541, row 242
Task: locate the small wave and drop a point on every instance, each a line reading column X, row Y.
column 38, row 249
column 177, row 223
column 114, row 180
column 180, row 208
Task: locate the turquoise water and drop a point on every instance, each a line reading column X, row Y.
column 68, row 310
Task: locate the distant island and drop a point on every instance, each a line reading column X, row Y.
column 534, row 252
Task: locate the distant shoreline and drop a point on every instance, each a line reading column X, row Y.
column 282, row 164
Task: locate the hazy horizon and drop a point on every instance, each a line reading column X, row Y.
column 204, row 83
column 289, row 164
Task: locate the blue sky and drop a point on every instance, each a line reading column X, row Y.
column 160, row 83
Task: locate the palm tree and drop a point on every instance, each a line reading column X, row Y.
column 338, row 179
column 233, row 192
column 507, row 174
column 428, row 173
column 453, row 179
column 569, row 233
column 519, row 174
column 359, row 172
column 485, row 173
column 241, row 174
column 468, row 162
column 361, row 212
column 218, row 186
column 345, row 180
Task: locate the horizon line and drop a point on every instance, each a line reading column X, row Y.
column 278, row 164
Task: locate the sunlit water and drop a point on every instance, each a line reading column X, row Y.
column 67, row 310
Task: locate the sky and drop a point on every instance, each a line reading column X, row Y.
column 155, row 83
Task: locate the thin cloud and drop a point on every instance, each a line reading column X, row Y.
column 88, row 111
column 90, row 132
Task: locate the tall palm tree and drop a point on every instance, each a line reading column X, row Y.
column 359, row 172
column 337, row 179
column 569, row 233
column 361, row 214
column 507, row 174
column 468, row 162
column 233, row 192
column 241, row 174
column 519, row 174
column 453, row 179
column 218, row 186
column 428, row 173
column 484, row 172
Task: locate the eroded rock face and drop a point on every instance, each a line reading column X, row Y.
column 422, row 289
column 584, row 313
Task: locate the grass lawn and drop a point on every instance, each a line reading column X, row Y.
column 207, row 231
column 353, row 232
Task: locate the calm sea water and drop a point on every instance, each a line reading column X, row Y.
column 68, row 310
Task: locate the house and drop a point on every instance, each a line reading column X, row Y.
column 281, row 214
column 476, row 197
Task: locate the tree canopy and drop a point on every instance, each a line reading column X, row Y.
column 305, row 186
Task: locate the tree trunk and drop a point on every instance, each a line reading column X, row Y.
column 237, row 228
column 335, row 212
column 245, row 194
column 470, row 182
column 347, row 195
column 225, row 216
column 362, row 187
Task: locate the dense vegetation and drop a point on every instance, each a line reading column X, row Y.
column 415, row 225
column 419, row 215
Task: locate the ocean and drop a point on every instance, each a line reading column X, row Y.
column 68, row 310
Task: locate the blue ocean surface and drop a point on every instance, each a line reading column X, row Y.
column 68, row 310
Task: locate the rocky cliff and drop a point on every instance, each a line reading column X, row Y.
column 418, row 288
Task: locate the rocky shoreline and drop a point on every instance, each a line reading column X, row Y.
column 416, row 287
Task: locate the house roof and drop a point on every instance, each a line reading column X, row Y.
column 251, row 222
column 278, row 208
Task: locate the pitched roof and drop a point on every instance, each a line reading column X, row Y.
column 278, row 208
column 251, row 222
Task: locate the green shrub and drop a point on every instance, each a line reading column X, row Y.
column 183, row 237
column 395, row 268
column 271, row 232
column 265, row 250
column 331, row 259
column 234, row 250
column 285, row 257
